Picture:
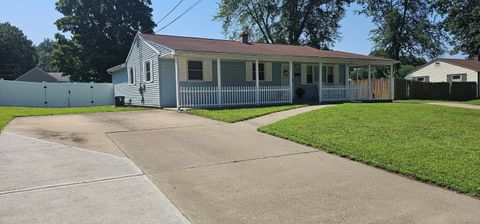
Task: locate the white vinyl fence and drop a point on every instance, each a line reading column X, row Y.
column 31, row 94
column 232, row 96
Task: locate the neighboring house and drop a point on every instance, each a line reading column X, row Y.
column 174, row 71
column 448, row 70
column 38, row 75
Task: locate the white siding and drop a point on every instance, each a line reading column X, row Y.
column 438, row 73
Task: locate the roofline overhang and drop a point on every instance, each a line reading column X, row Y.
column 116, row 68
column 280, row 58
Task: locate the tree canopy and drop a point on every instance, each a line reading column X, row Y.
column 405, row 28
column 462, row 20
column 44, row 53
column 17, row 54
column 311, row 22
column 101, row 35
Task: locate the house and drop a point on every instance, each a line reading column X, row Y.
column 38, row 75
column 447, row 70
column 186, row 72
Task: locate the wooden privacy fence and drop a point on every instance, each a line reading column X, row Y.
column 357, row 90
column 32, row 94
column 408, row 89
column 232, row 96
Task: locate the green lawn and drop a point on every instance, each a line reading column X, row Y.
column 430, row 143
column 232, row 115
column 8, row 113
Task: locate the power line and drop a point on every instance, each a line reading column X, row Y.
column 164, row 16
column 178, row 17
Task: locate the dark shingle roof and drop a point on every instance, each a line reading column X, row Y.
column 470, row 64
column 38, row 75
column 229, row 46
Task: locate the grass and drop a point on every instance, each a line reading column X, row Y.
column 9, row 113
column 439, row 145
column 232, row 115
column 472, row 102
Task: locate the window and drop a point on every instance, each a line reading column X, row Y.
column 329, row 74
column 261, row 72
column 131, row 75
column 421, row 79
column 195, row 70
column 437, row 63
column 456, row 78
column 147, row 71
column 310, row 74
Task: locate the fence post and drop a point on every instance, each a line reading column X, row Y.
column 392, row 84
column 45, row 100
column 369, row 81
column 1, row 98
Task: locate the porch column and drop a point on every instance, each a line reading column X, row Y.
column 392, row 83
column 219, row 83
column 257, row 83
column 347, row 81
column 290, row 79
column 320, row 81
column 370, row 97
column 177, row 86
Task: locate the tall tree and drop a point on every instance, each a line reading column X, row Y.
column 462, row 20
column 17, row 54
column 102, row 33
column 310, row 22
column 404, row 28
column 44, row 53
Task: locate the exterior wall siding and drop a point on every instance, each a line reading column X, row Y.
column 168, row 97
column 438, row 73
column 151, row 95
column 120, row 82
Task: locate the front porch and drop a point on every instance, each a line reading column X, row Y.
column 236, row 83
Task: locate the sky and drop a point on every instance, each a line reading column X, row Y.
column 36, row 19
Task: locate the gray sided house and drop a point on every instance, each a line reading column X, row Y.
column 186, row 72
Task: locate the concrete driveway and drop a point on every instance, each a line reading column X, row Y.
column 229, row 173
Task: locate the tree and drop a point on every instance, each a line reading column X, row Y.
column 311, row 22
column 102, row 33
column 462, row 20
column 17, row 54
column 44, row 53
column 405, row 28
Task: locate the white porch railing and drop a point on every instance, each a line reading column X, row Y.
column 334, row 93
column 232, row 96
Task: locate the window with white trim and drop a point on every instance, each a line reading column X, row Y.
column 195, row 70
column 131, row 75
column 310, row 74
column 261, row 72
column 328, row 74
column 147, row 71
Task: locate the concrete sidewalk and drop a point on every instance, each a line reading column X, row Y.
column 458, row 105
column 44, row 182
